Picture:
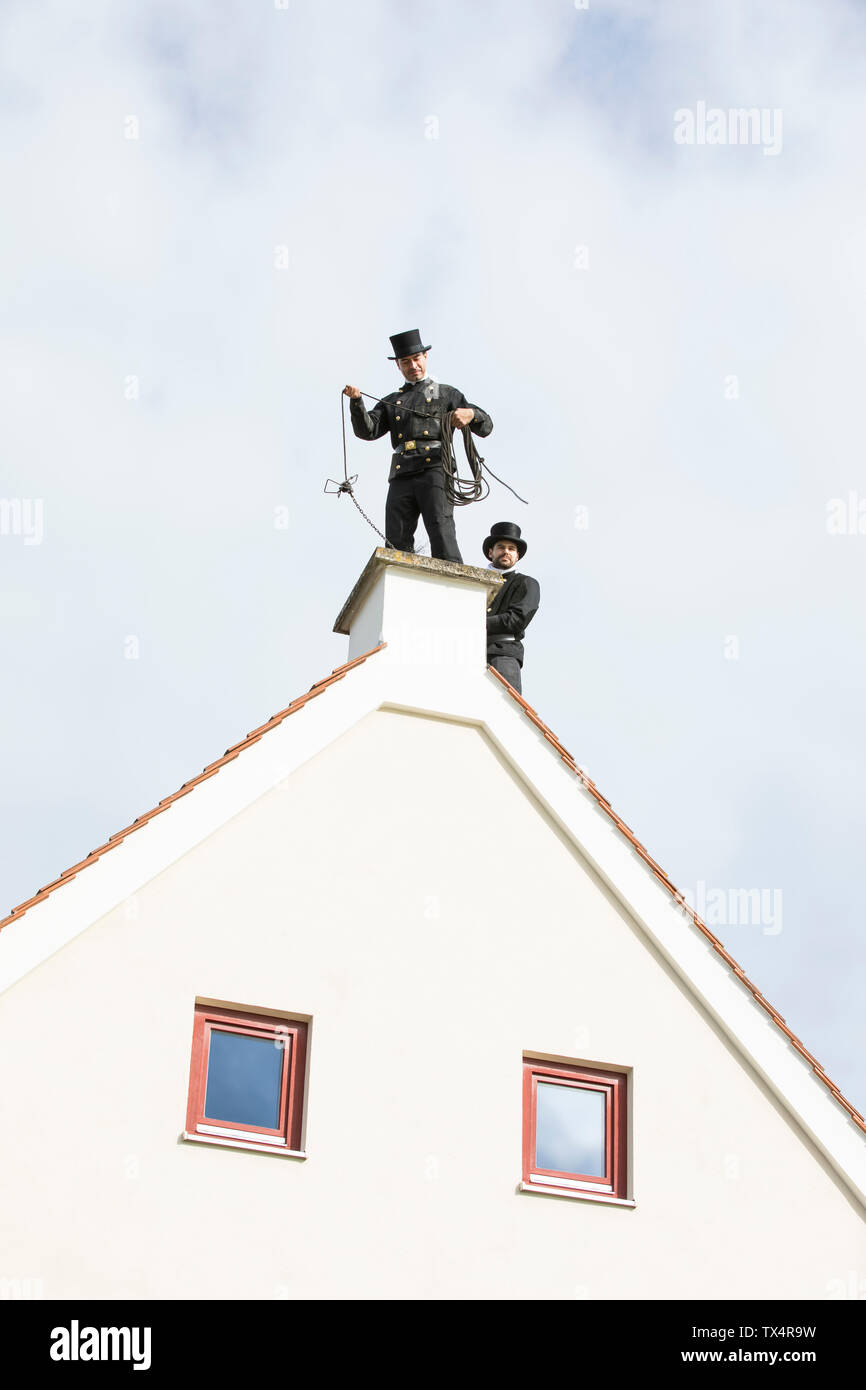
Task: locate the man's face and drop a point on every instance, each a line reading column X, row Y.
column 414, row 368
column 503, row 555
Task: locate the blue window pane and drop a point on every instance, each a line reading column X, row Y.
column 243, row 1079
column 570, row 1131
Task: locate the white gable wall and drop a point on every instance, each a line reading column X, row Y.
column 404, row 890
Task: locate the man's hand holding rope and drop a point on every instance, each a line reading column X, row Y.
column 464, row 416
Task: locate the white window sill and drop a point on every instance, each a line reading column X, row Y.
column 576, row 1194
column 242, row 1144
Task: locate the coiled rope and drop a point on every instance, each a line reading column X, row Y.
column 461, row 491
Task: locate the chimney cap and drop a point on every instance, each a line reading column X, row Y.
column 382, row 558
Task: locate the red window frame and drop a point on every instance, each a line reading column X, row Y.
column 613, row 1085
column 288, row 1033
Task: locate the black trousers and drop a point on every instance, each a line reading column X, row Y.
column 507, row 666
column 422, row 494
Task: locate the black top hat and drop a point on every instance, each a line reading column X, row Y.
column 505, row 531
column 407, row 344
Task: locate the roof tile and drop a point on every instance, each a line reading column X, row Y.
column 209, row 771
column 681, row 902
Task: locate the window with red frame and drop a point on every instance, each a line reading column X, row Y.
column 246, row 1079
column 574, row 1128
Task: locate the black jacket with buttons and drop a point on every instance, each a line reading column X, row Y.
column 413, row 415
column 514, row 606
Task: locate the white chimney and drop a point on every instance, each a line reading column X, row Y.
column 430, row 612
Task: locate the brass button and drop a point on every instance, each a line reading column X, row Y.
column 426, row 431
column 396, row 465
column 399, row 436
column 429, row 398
column 426, row 448
column 398, row 417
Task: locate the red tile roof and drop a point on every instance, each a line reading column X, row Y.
column 678, row 898
column 230, row 754
column 337, row 674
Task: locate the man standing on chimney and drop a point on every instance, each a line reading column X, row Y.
column 514, row 604
column 413, row 415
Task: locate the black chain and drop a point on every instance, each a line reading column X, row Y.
column 335, row 488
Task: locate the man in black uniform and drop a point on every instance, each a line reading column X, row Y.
column 514, row 605
column 417, row 478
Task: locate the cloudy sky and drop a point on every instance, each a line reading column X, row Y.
column 214, row 216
